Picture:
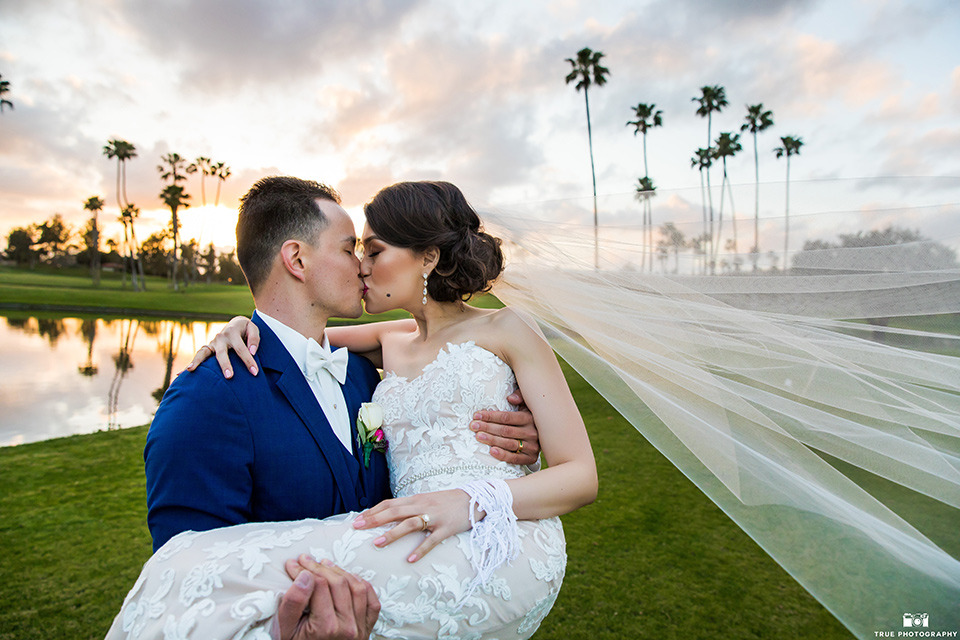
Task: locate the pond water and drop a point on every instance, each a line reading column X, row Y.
column 63, row 376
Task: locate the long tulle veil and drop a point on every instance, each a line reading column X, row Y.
column 831, row 440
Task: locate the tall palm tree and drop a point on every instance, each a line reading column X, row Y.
column 727, row 146
column 648, row 117
column 128, row 216
column 791, row 147
column 645, row 191
column 587, row 71
column 712, row 99
column 4, row 88
column 177, row 169
column 757, row 120
column 123, row 151
column 205, row 167
column 94, row 205
column 174, row 197
column 702, row 160
column 222, row 172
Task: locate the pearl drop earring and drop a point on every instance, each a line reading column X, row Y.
column 424, row 301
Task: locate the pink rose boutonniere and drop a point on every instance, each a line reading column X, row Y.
column 370, row 429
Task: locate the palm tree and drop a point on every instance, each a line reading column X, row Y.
column 4, row 88
column 131, row 212
column 727, row 146
column 645, row 191
column 648, row 117
column 663, row 255
column 94, row 205
column 587, row 70
column 757, row 120
column 123, row 151
column 674, row 238
column 174, row 197
column 700, row 246
column 222, row 172
column 711, row 99
column 702, row 160
column 791, row 147
column 205, row 167
column 177, row 164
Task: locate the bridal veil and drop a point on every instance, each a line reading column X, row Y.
column 827, row 431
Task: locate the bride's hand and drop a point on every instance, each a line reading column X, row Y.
column 446, row 512
column 231, row 337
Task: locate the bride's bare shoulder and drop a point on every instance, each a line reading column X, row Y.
column 514, row 320
column 515, row 334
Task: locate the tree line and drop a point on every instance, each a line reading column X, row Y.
column 587, row 71
column 56, row 243
column 164, row 253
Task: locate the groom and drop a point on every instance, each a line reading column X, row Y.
column 283, row 445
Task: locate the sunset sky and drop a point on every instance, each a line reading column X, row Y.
column 361, row 94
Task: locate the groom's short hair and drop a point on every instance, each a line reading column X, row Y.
column 274, row 210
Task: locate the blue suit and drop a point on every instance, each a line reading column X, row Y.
column 255, row 448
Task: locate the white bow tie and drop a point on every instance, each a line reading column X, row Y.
column 318, row 358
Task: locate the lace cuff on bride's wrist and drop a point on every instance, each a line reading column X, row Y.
column 495, row 539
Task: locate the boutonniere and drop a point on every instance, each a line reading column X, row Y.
column 370, row 429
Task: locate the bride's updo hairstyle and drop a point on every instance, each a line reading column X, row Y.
column 421, row 215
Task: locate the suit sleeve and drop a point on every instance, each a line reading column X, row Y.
column 198, row 458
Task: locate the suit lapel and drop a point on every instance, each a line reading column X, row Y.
column 354, row 398
column 293, row 385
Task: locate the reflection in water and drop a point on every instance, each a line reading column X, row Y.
column 51, row 329
column 168, row 359
column 122, row 363
column 88, row 329
column 63, row 376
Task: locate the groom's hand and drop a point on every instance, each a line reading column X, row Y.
column 325, row 603
column 512, row 435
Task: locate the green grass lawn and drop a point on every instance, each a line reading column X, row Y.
column 651, row 558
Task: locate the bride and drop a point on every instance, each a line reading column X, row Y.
column 469, row 547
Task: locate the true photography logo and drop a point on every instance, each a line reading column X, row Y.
column 915, row 625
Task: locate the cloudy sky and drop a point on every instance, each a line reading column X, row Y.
column 361, row 94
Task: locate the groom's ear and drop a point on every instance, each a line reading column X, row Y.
column 291, row 255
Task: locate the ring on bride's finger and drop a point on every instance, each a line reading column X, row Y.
column 206, row 346
column 425, row 520
column 519, row 446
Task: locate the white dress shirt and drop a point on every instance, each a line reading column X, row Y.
column 325, row 387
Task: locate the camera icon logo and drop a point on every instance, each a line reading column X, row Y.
column 916, row 620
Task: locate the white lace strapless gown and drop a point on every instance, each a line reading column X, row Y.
column 226, row 583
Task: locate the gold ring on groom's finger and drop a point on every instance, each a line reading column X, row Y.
column 519, row 446
column 425, row 520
